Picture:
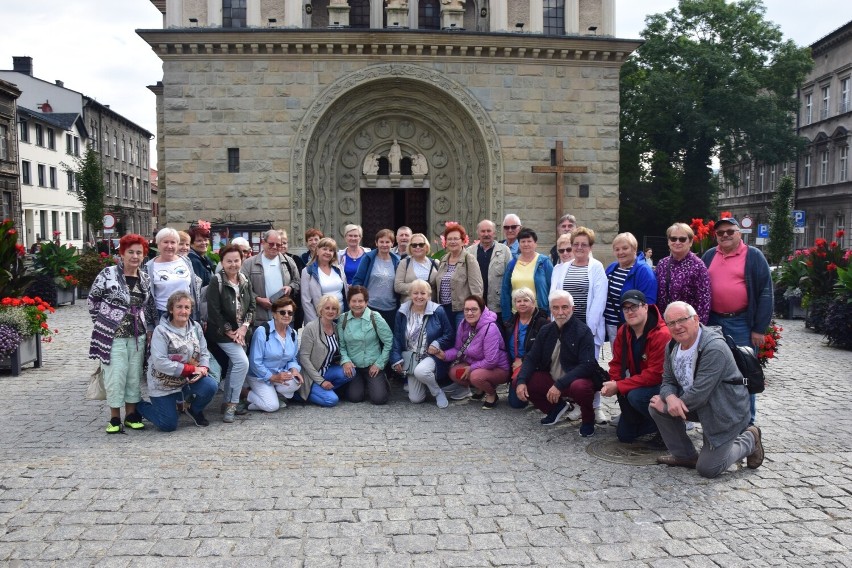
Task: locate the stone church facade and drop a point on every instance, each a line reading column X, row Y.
column 271, row 113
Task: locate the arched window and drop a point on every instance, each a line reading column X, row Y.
column 429, row 15
column 234, row 13
column 554, row 17
column 405, row 166
column 384, row 166
column 359, row 13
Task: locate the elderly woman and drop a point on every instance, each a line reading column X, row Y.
column 682, row 276
column 245, row 251
column 319, row 355
column 458, row 274
column 274, row 367
column 422, row 331
column 564, row 252
column 120, row 303
column 566, row 224
column 184, row 241
column 628, row 272
column 312, row 239
column 177, row 367
column 365, row 345
column 320, row 277
column 231, row 306
column 529, row 270
column 521, row 331
column 377, row 272
column 201, row 263
column 416, row 266
column 350, row 258
column 170, row 273
column 567, row 345
column 478, row 357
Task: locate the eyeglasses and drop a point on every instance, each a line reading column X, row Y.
column 630, row 308
column 582, row 246
column 678, row 239
column 275, row 245
column 511, row 227
column 288, row 313
column 471, row 310
column 677, row 322
column 563, row 251
column 417, row 245
column 725, row 232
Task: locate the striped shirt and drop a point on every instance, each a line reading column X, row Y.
column 613, row 296
column 576, row 283
column 333, row 350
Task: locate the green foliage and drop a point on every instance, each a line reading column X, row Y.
column 90, row 265
column 56, row 260
column 90, row 188
column 43, row 287
column 781, row 222
column 844, row 282
column 713, row 77
column 837, row 325
column 13, row 272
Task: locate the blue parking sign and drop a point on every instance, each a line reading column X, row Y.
column 762, row 231
column 798, row 219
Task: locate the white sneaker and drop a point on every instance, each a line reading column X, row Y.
column 405, row 386
column 461, row 395
column 601, row 416
column 574, row 413
column 441, row 399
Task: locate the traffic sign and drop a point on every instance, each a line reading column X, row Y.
column 746, row 222
column 109, row 221
column 763, row 231
column 798, row 219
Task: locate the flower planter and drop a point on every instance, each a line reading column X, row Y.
column 82, row 292
column 29, row 351
column 795, row 309
column 66, row 296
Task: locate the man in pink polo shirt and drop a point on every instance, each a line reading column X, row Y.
column 741, row 299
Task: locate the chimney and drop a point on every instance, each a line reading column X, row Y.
column 60, row 83
column 22, row 64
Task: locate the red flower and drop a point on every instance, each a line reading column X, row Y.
column 11, row 232
column 725, row 214
column 833, row 244
column 820, row 243
column 831, row 267
column 839, row 234
column 44, row 325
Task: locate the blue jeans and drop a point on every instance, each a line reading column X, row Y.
column 514, row 401
column 327, row 398
column 740, row 331
column 238, row 366
column 162, row 410
column 635, row 419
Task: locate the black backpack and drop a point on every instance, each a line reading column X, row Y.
column 747, row 363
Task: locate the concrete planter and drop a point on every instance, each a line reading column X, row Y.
column 29, row 351
column 66, row 296
column 795, row 309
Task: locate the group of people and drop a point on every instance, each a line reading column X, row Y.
column 341, row 323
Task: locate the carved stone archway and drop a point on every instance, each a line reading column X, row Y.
column 428, row 113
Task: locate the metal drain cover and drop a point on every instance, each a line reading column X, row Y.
column 630, row 454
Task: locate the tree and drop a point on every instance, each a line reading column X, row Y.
column 781, row 222
column 90, row 189
column 713, row 78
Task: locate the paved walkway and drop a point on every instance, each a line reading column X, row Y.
column 410, row 485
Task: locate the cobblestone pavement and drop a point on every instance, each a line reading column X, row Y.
column 410, row 485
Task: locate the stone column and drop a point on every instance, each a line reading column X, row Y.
column 253, row 14
column 338, row 13
column 397, row 14
column 293, row 10
column 377, row 13
column 214, row 13
column 608, row 18
column 452, row 15
column 174, row 14
column 536, row 23
column 572, row 16
column 498, row 13
column 413, row 10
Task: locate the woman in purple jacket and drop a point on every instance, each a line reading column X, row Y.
column 479, row 356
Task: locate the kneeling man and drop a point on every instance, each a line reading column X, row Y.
column 695, row 388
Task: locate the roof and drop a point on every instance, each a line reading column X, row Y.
column 828, row 41
column 63, row 120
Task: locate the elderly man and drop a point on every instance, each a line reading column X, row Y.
column 566, row 224
column 561, row 364
column 511, row 228
column 698, row 377
column 741, row 301
column 493, row 257
column 272, row 274
column 403, row 237
column 636, row 368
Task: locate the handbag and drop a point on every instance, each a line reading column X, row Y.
column 95, row 390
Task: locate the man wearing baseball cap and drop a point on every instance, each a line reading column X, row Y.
column 741, row 299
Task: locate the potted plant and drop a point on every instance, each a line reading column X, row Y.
column 59, row 261
column 90, row 265
column 13, row 271
column 23, row 326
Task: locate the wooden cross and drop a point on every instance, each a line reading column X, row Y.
column 559, row 168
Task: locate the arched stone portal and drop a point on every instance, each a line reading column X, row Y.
column 428, row 114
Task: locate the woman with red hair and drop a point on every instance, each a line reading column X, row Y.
column 458, row 274
column 122, row 306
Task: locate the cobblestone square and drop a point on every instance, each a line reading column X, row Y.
column 410, row 485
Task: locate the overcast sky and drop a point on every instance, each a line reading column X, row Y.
column 91, row 44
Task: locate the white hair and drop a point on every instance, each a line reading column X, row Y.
column 510, row 217
column 167, row 232
column 560, row 295
column 690, row 311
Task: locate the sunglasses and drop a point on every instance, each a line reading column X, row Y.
column 510, row 227
column 563, row 251
column 417, row 245
column 275, row 245
column 725, row 233
column 288, row 313
column 678, row 239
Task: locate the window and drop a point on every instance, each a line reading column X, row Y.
column 67, row 226
column 772, row 177
column 107, row 179
column 844, row 96
column 25, row 131
column 809, row 108
column 139, row 189
column 70, row 181
column 130, row 157
column 51, row 139
column 75, row 225
column 26, row 174
column 52, row 173
column 42, row 221
column 821, row 226
column 42, row 175
column 233, row 160
column 7, row 205
column 145, row 191
column 760, row 186
column 748, row 181
column 823, row 113
column 39, row 130
column 123, row 150
column 124, row 191
column 823, row 167
column 69, row 143
column 840, row 225
column 554, row 17
column 4, row 143
column 132, row 183
column 115, row 145
column 233, row 13
column 785, row 169
column 116, row 178
column 106, row 142
column 76, row 145
column 95, row 144
column 359, row 14
column 843, row 163
column 806, row 178
column 54, row 217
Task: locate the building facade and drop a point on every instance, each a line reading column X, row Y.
column 319, row 114
column 123, row 148
column 822, row 171
column 10, row 184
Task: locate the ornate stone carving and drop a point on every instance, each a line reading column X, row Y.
column 426, row 140
column 442, row 182
column 419, row 167
column 439, row 159
column 442, row 205
column 394, row 157
column 347, row 206
column 349, row 159
column 348, row 182
column 453, row 4
column 363, row 140
column 382, row 129
column 405, row 129
column 371, row 164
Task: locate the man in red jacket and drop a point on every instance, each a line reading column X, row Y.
column 636, row 369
